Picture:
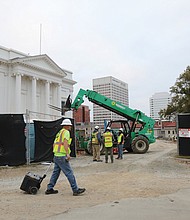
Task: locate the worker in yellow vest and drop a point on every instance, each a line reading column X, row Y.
column 61, row 150
column 108, row 143
column 96, row 143
column 120, row 143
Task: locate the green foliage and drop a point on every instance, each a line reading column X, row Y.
column 180, row 96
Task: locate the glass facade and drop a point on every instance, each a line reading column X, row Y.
column 157, row 102
column 114, row 89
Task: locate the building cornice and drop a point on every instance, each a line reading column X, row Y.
column 69, row 81
column 3, row 61
column 36, row 68
column 12, row 50
column 23, row 61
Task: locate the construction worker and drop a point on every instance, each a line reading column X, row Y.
column 61, row 150
column 108, row 143
column 96, row 143
column 120, row 143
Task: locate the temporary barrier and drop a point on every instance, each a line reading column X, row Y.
column 12, row 140
column 183, row 134
column 23, row 140
column 45, row 133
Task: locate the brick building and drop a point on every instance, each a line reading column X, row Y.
column 82, row 114
column 165, row 129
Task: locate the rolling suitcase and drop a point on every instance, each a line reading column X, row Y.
column 31, row 182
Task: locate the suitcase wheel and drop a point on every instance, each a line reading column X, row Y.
column 33, row 190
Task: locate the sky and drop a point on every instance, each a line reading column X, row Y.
column 145, row 43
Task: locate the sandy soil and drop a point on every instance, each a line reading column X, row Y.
column 155, row 173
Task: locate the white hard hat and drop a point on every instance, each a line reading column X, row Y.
column 66, row 122
column 108, row 128
column 96, row 127
column 121, row 129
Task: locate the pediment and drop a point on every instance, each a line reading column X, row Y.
column 43, row 62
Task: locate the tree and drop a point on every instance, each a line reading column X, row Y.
column 180, row 92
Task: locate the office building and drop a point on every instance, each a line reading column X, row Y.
column 157, row 102
column 114, row 89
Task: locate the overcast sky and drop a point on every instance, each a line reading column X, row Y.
column 145, row 43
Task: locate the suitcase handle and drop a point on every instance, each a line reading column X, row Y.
column 45, row 174
column 47, row 170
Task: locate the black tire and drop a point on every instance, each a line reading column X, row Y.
column 102, row 148
column 140, row 145
column 89, row 148
column 33, row 190
column 127, row 144
column 128, row 149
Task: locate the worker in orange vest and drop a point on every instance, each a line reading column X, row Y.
column 61, row 150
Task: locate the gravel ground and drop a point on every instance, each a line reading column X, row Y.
column 153, row 174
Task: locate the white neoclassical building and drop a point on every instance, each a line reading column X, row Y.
column 32, row 83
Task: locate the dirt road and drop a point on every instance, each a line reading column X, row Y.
column 155, row 173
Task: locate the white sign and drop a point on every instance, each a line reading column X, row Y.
column 184, row 132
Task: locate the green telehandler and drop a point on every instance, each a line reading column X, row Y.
column 138, row 128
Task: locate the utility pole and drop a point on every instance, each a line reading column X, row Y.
column 40, row 39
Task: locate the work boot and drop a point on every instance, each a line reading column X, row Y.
column 51, row 191
column 79, row 191
column 111, row 159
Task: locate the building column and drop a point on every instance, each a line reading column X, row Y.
column 34, row 94
column 18, row 93
column 59, row 95
column 47, row 96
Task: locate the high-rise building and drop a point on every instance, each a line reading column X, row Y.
column 114, row 89
column 157, row 102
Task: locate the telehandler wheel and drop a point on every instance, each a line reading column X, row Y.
column 140, row 145
column 89, row 148
column 129, row 149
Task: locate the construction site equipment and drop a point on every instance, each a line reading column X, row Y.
column 32, row 182
column 81, row 140
column 138, row 128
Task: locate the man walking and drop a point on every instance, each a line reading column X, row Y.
column 108, row 143
column 61, row 150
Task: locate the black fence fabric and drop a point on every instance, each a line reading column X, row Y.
column 12, row 140
column 183, row 130
column 45, row 133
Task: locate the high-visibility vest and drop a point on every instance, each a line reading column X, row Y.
column 119, row 139
column 58, row 147
column 94, row 137
column 108, row 139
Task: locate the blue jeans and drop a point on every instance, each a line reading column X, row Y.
column 120, row 151
column 60, row 164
